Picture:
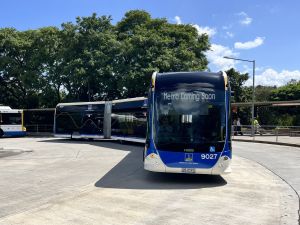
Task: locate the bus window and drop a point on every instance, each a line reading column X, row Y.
column 11, row 119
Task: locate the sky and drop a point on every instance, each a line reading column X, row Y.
column 265, row 31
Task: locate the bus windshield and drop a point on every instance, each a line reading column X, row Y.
column 189, row 118
column 10, row 118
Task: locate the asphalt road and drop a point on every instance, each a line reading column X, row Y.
column 284, row 161
column 54, row 181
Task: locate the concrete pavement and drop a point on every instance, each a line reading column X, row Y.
column 54, row 181
column 283, row 161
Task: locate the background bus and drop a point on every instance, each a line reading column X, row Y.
column 129, row 119
column 189, row 123
column 11, row 122
column 79, row 120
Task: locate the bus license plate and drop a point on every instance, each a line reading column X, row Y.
column 188, row 170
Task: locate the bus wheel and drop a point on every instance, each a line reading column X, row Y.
column 143, row 155
column 1, row 133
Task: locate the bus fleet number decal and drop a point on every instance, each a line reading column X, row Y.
column 209, row 156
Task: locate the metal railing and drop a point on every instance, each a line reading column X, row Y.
column 270, row 133
column 39, row 128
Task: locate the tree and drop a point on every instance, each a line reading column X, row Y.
column 155, row 45
column 49, row 42
column 19, row 75
column 291, row 91
column 265, row 114
column 237, row 80
column 287, row 116
column 91, row 52
column 92, row 59
column 240, row 94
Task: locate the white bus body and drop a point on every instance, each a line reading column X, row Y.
column 11, row 122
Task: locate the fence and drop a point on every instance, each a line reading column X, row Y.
column 265, row 133
column 268, row 133
column 39, row 128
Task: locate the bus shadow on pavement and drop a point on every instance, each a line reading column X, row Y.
column 130, row 174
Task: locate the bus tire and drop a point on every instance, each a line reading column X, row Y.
column 143, row 155
column 1, row 133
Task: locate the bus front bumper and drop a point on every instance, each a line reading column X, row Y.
column 154, row 163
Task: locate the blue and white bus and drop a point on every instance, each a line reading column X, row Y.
column 11, row 122
column 188, row 123
column 184, row 122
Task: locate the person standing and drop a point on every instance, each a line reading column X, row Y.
column 239, row 127
column 234, row 127
column 256, row 125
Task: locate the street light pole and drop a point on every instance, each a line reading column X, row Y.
column 253, row 100
column 253, row 90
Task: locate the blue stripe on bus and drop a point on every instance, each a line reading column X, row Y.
column 14, row 133
column 177, row 159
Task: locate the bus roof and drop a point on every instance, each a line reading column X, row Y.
column 3, row 107
column 203, row 79
column 130, row 103
column 102, row 102
column 7, row 109
column 129, row 100
column 81, row 103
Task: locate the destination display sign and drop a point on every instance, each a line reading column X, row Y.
column 192, row 96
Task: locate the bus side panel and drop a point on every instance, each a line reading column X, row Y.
column 12, row 123
column 129, row 123
column 79, row 121
column 12, row 130
column 227, row 148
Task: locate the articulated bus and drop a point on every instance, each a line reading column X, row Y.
column 79, row 120
column 188, row 123
column 86, row 119
column 184, row 122
column 11, row 122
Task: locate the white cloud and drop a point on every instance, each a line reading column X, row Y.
column 205, row 30
column 246, row 20
column 177, row 19
column 249, row 44
column 215, row 57
column 271, row 77
column 201, row 30
column 230, row 34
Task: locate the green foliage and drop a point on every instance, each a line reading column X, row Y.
column 265, row 114
column 240, row 94
column 92, row 59
column 286, row 120
column 150, row 45
column 237, row 80
column 291, row 91
column 19, row 68
column 286, row 116
column 263, row 93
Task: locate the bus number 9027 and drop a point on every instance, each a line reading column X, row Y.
column 209, row 156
